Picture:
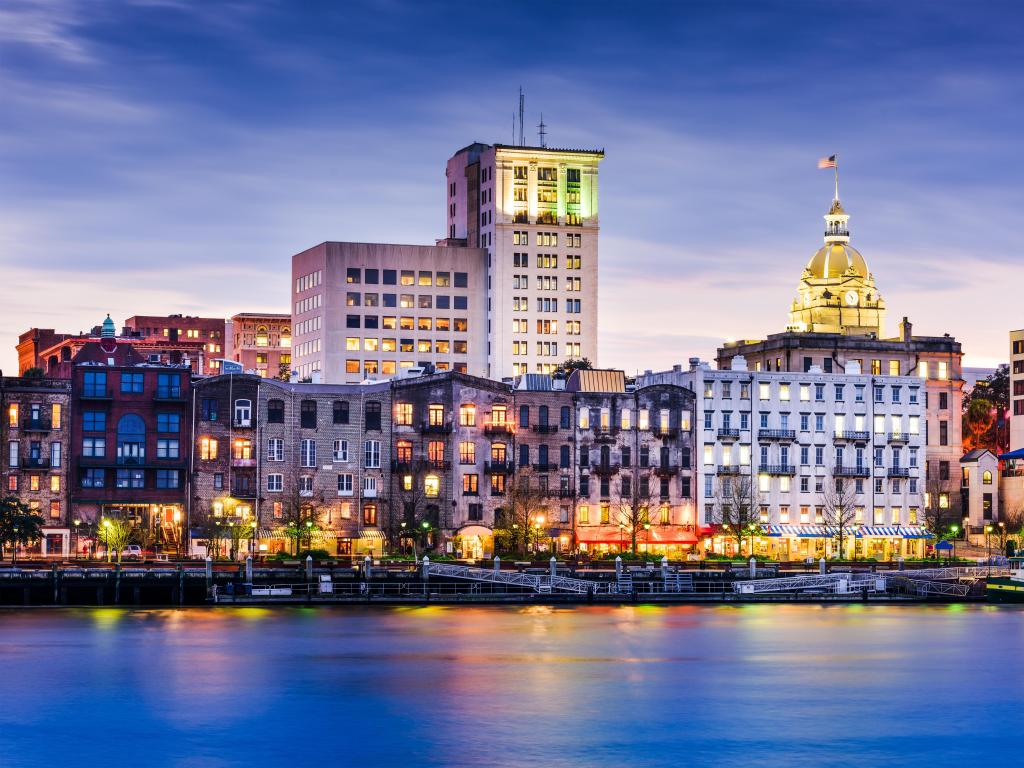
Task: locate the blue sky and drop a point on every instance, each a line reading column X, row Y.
column 170, row 156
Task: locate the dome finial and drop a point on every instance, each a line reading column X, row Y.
column 107, row 329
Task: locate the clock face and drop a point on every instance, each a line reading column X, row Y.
column 851, row 298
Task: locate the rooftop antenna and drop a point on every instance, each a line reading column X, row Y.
column 522, row 107
column 542, row 131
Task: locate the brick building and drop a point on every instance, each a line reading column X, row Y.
column 262, row 343
column 130, row 430
column 35, row 432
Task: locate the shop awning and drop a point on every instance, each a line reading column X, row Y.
column 658, row 534
column 894, row 531
column 804, row 531
column 371, row 533
column 474, row 530
column 270, row 533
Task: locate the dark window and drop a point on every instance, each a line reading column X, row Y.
column 584, row 485
column 339, row 409
column 307, row 414
column 524, row 415
column 351, row 321
column 828, row 364
column 524, row 455
column 167, row 478
column 684, row 460
column 209, row 409
column 275, row 411
column 808, row 361
column 606, row 455
column 563, row 417
column 352, row 275
column 627, row 456
column 585, row 456
column 390, row 299
column 94, row 384
column 943, row 401
column 476, row 511
column 943, row 470
column 168, row 385
column 372, row 276
column 461, row 302
column 664, row 457
column 442, row 302
column 131, row 382
column 685, row 490
column 625, row 486
column 943, row 433
column 664, row 488
column 371, row 321
column 645, row 456
column 168, row 422
column 461, row 280
column 542, row 415
column 542, row 455
column 94, row 421
column 92, row 478
column 563, row 456
column 390, row 277
column 372, row 415
column 605, row 488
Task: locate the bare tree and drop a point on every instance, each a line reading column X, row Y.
column 941, row 508
column 414, row 504
column 116, row 533
column 839, row 509
column 517, row 526
column 736, row 507
column 634, row 503
column 304, row 515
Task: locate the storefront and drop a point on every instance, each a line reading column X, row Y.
column 474, row 542
column 673, row 541
column 884, row 542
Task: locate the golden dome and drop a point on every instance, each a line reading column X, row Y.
column 835, row 259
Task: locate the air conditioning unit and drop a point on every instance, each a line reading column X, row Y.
column 154, row 358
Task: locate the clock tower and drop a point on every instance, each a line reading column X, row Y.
column 837, row 292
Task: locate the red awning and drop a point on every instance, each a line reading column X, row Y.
column 658, row 534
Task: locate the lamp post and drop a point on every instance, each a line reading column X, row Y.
column 622, row 531
column 401, row 536
column 252, row 540
column 727, row 529
column 106, row 525
column 1002, row 538
column 953, row 529
column 647, row 546
column 77, row 539
column 988, row 545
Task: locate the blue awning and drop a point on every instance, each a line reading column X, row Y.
column 894, row 531
column 804, row 531
column 1018, row 454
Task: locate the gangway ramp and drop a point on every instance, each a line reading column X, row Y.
column 538, row 583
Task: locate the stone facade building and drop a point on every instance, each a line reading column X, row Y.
column 36, row 433
column 262, row 343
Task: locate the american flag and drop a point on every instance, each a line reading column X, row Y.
column 827, row 162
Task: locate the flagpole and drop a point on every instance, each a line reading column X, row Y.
column 836, row 166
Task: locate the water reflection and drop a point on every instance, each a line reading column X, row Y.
column 640, row 685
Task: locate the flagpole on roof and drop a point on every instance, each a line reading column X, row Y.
column 836, row 167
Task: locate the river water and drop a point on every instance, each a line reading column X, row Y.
column 772, row 685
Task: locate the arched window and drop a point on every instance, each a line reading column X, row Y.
column 131, row 439
column 286, row 337
column 262, row 337
column 372, row 415
column 986, row 477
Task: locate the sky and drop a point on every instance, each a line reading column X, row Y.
column 162, row 156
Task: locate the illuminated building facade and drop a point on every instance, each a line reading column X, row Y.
column 534, row 210
column 262, row 343
column 363, row 311
column 794, row 439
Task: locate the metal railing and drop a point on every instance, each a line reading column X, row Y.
column 536, row 582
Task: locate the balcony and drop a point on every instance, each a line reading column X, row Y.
column 30, row 462
column 369, row 493
column 729, row 469
column 241, row 423
column 168, row 395
column 898, row 472
column 605, row 434
column 498, row 467
column 549, row 467
column 402, row 466
column 502, row 428
column 856, row 436
column 436, row 429
column 36, row 425
column 246, row 493
column 96, row 394
column 605, row 470
column 566, row 493
column 857, row 471
column 776, row 469
column 728, row 434
column 240, row 462
column 666, row 470
column 665, row 431
column 544, row 429
column 898, row 437
column 777, row 434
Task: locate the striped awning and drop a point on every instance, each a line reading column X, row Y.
column 371, row 533
column 894, row 531
column 270, row 533
column 806, row 531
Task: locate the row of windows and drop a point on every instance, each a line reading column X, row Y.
column 163, row 479
column 546, row 261
column 784, row 484
column 312, row 280
column 547, row 327
column 843, row 457
column 38, row 457
column 35, row 483
column 938, row 369
column 308, row 304
column 405, row 300
column 355, row 276
column 94, row 384
column 842, row 424
column 39, row 414
column 425, row 346
column 784, row 391
column 390, row 322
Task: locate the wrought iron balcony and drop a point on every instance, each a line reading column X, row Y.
column 729, row 469
column 604, row 469
column 503, row 428
column 776, row 434
column 438, row 429
column 728, row 434
column 544, row 429
column 859, row 470
column 777, row 469
column 666, row 469
column 665, row 431
column 858, row 436
column 32, row 462
column 36, row 425
column 898, row 472
column 499, row 467
column 551, row 466
column 898, row 437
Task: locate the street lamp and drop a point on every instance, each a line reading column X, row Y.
column 953, row 529
column 647, row 547
column 75, row 548
column 622, row 531
column 988, row 544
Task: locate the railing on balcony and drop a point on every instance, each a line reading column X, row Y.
column 859, row 470
column 566, row 493
column 35, row 462
column 729, row 469
column 898, row 437
column 544, row 429
column 500, row 428
column 241, row 423
column 665, row 431
column 666, row 469
column 604, row 469
column 777, row 469
column 498, row 467
column 550, row 466
column 96, row 394
column 728, row 434
column 898, row 472
column 439, row 429
column 237, row 461
column 36, row 425
column 851, row 434
column 776, row 434
column 243, row 492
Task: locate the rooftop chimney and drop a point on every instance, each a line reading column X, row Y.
column 906, row 330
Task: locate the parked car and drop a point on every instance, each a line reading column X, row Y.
column 131, row 552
